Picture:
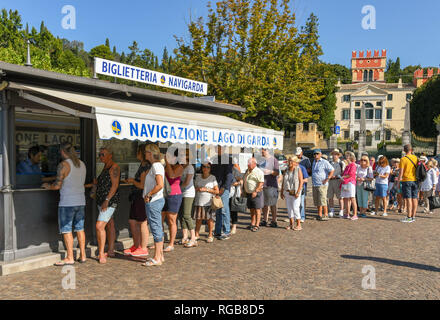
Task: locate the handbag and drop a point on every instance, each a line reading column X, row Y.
column 217, row 203
column 434, row 202
column 369, row 185
column 238, row 204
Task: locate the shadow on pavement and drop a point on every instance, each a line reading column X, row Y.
column 394, row 262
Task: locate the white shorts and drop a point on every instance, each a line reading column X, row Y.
column 348, row 190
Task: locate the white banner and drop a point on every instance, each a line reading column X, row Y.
column 124, row 71
column 112, row 126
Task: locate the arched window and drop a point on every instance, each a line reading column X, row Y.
column 370, row 76
column 365, row 76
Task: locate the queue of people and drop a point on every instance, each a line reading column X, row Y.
column 169, row 190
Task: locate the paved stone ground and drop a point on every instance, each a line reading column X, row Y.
column 324, row 261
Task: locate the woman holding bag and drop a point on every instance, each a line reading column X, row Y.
column 291, row 192
column 364, row 173
column 348, row 186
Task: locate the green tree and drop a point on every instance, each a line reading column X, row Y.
column 426, row 105
column 101, row 51
column 393, row 71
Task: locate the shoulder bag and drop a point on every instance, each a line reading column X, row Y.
column 369, row 185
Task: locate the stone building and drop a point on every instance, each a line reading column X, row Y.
column 384, row 103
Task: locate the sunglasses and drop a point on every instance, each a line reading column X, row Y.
column 315, row 154
column 101, row 155
column 206, row 167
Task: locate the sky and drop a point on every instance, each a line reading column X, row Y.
column 405, row 28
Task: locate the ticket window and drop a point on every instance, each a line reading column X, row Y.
column 38, row 134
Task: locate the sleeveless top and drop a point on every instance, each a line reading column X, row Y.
column 103, row 188
column 174, row 185
column 72, row 189
column 291, row 180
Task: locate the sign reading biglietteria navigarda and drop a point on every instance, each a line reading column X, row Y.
column 111, row 126
column 124, row 71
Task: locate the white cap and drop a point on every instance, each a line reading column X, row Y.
column 298, row 151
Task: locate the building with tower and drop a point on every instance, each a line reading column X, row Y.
column 384, row 104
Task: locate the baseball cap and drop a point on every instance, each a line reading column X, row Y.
column 298, row 151
column 317, row 151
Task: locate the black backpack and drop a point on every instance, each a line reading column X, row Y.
column 421, row 171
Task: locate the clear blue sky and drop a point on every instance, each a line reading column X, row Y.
column 407, row 29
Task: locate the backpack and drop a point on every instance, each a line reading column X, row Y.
column 421, row 171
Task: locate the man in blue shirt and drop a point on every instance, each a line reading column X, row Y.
column 322, row 172
column 32, row 164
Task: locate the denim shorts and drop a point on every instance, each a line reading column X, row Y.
column 381, row 190
column 173, row 203
column 154, row 217
column 410, row 190
column 106, row 215
column 69, row 217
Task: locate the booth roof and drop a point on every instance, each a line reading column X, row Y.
column 29, row 75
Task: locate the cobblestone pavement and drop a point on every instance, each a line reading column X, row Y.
column 324, row 261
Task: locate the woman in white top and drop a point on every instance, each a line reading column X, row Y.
column 188, row 193
column 206, row 187
column 154, row 201
column 363, row 173
column 428, row 185
column 383, row 170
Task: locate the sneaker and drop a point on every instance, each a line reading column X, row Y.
column 302, row 221
column 341, row 213
column 345, row 216
column 330, row 214
column 324, row 218
column 263, row 224
column 412, row 220
column 128, row 252
column 353, row 218
column 139, row 252
column 273, row 224
column 407, row 219
column 224, row 237
column 372, row 213
column 362, row 215
column 385, row 214
column 319, row 218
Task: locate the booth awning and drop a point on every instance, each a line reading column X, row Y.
column 138, row 121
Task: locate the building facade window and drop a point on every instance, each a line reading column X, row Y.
column 388, row 135
column 408, row 96
column 378, row 113
column 356, row 136
column 357, row 104
column 357, row 114
column 370, row 76
column 346, row 98
column 346, row 134
column 346, row 114
column 389, row 114
column 390, row 97
column 377, row 136
column 379, row 103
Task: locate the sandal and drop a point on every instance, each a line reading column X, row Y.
column 64, row 263
column 297, row 229
column 210, row 239
column 289, row 228
column 183, row 241
column 151, row 262
column 255, row 229
column 168, row 249
column 191, row 244
column 109, row 255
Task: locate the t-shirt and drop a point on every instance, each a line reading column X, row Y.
column 305, row 176
column 364, row 173
column 270, row 164
column 409, row 169
column 189, row 191
column 382, row 171
column 305, row 162
column 150, row 181
column 252, row 179
column 204, row 199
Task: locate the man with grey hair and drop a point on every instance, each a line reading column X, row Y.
column 253, row 186
column 322, row 172
column 335, row 183
column 271, row 170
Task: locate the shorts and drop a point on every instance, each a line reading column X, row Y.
column 381, row 190
column 137, row 209
column 320, row 196
column 69, row 217
column 270, row 195
column 410, row 190
column 334, row 189
column 106, row 215
column 172, row 203
column 350, row 192
column 255, row 203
